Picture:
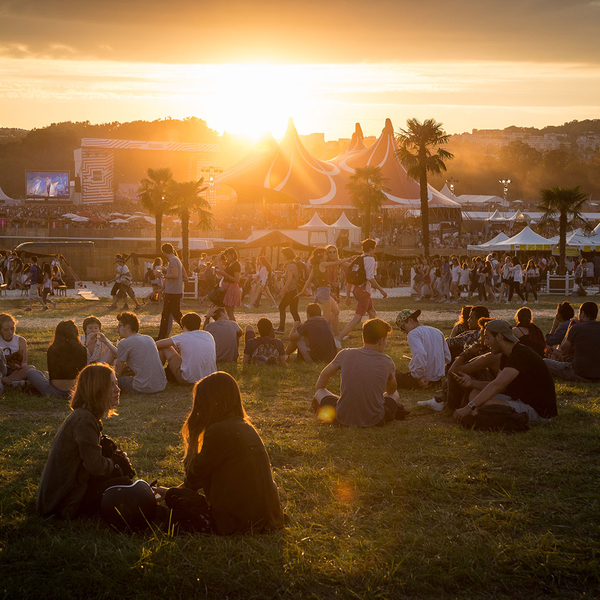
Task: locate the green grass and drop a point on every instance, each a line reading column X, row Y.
column 417, row 509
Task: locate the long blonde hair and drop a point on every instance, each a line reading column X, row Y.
column 93, row 390
column 216, row 397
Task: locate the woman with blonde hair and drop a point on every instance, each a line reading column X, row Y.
column 76, row 472
column 225, row 456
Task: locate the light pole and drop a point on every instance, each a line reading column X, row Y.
column 451, row 183
column 505, row 183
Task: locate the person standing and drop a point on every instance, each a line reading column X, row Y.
column 361, row 275
column 289, row 292
column 173, row 292
column 231, row 281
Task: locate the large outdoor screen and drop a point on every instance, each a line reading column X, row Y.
column 47, row 184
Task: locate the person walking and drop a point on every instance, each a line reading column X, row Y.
column 173, row 292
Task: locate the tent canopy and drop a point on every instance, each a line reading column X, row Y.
column 491, row 244
column 497, row 218
column 275, row 238
column 344, row 223
column 315, row 223
column 525, row 240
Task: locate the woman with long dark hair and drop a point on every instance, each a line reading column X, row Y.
column 224, row 456
column 67, row 356
column 289, row 292
column 76, row 472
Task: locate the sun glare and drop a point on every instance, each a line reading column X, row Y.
column 253, row 99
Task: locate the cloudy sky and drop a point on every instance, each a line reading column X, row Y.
column 247, row 66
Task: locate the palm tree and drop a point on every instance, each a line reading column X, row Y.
column 366, row 187
column 416, row 154
column 565, row 203
column 153, row 194
column 185, row 199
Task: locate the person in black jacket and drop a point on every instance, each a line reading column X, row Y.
column 226, row 457
column 67, row 356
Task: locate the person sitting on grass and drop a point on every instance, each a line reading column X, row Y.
column 14, row 348
column 475, row 360
column 138, row 352
column 226, row 334
column 458, row 343
column 562, row 320
column 265, row 349
column 191, row 355
column 225, row 456
column 523, row 382
column 368, row 383
column 314, row 338
column 582, row 345
column 429, row 350
column 99, row 348
column 462, row 324
column 76, row 472
column 67, row 356
column 528, row 332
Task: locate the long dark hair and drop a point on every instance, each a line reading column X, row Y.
column 66, row 334
column 93, row 390
column 317, row 256
column 464, row 315
column 216, row 397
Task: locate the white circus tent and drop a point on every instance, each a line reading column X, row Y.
column 316, row 223
column 496, row 217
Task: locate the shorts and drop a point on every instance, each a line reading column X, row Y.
column 323, row 294
column 363, row 299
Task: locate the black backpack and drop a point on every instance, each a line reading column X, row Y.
column 497, row 417
column 266, row 353
column 302, row 273
column 357, row 274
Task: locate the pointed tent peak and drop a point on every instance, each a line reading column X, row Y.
column 291, row 128
column 344, row 223
column 358, row 132
column 389, row 128
column 315, row 223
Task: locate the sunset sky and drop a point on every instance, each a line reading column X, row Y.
column 245, row 67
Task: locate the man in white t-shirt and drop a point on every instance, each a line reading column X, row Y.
column 191, row 355
column 429, row 350
column 362, row 290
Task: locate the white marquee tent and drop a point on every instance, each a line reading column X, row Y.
column 490, row 245
column 527, row 239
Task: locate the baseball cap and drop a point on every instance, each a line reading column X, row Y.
column 503, row 327
column 406, row 314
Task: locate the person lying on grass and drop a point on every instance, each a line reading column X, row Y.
column 225, row 456
column 66, row 357
column 191, row 355
column 264, row 349
column 14, row 348
column 99, row 348
column 523, row 382
column 76, row 472
column 368, row 383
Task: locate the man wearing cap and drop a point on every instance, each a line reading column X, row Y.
column 523, row 383
column 582, row 342
column 429, row 351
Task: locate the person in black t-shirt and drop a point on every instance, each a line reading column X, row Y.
column 265, row 349
column 523, row 383
column 314, row 338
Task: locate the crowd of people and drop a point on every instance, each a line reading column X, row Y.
column 489, row 373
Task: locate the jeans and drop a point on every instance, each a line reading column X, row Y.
column 564, row 371
column 44, row 386
column 170, row 308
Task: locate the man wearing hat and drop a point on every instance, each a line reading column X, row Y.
column 523, row 383
column 429, row 351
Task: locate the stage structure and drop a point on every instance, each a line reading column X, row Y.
column 104, row 165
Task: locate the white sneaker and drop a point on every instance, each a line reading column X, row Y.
column 432, row 403
column 338, row 344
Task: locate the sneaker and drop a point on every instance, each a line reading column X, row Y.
column 338, row 344
column 27, row 309
column 432, row 403
column 46, row 308
column 279, row 330
column 346, row 337
column 248, row 306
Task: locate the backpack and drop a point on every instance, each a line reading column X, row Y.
column 265, row 354
column 357, row 274
column 302, row 273
column 497, row 417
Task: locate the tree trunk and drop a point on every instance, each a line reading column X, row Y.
column 424, row 208
column 185, row 239
column 562, row 243
column 158, row 229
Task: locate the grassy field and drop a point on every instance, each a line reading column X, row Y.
column 417, row 509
